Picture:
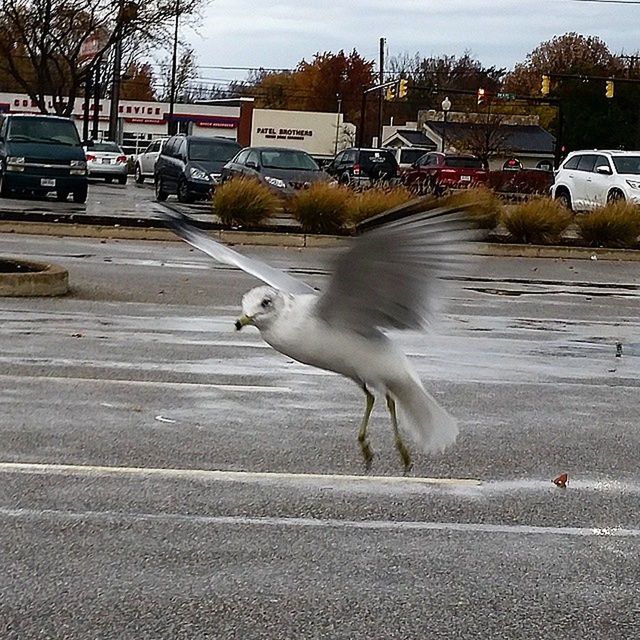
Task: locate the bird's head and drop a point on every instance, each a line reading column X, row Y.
column 260, row 307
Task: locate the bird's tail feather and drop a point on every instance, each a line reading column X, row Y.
column 420, row 416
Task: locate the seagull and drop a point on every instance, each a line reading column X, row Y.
column 389, row 279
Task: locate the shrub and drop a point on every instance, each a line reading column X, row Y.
column 244, row 202
column 538, row 221
column 616, row 225
column 322, row 208
column 486, row 209
column 370, row 202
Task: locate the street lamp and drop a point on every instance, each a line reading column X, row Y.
column 172, row 128
column 446, row 106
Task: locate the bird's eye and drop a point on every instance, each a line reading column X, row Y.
column 266, row 303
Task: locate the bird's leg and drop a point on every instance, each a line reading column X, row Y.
column 367, row 453
column 402, row 450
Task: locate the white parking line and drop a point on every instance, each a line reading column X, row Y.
column 151, row 383
column 326, row 523
column 261, row 477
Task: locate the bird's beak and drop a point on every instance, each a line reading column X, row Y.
column 243, row 321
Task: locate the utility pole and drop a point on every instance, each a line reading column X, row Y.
column 172, row 128
column 381, row 96
column 115, row 87
column 339, row 97
column 96, row 100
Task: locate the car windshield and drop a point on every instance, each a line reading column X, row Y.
column 110, row 147
column 282, row 159
column 370, row 158
column 627, row 164
column 409, row 156
column 211, row 151
column 44, row 130
column 463, row 162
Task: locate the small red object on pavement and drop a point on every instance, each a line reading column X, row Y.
column 561, row 481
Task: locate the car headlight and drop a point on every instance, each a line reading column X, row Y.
column 77, row 167
column 275, row 182
column 198, row 174
column 15, row 163
column 634, row 184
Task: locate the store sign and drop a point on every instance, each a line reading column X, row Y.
column 273, row 133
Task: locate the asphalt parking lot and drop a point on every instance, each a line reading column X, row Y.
column 162, row 476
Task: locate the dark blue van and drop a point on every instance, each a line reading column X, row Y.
column 41, row 153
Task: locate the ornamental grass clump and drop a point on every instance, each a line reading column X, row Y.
column 322, row 208
column 616, row 225
column 538, row 221
column 485, row 207
column 244, row 202
column 371, row 202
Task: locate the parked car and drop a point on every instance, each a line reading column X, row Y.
column 106, row 160
column 282, row 170
column 40, row 154
column 435, row 172
column 360, row 166
column 191, row 166
column 145, row 163
column 521, row 181
column 587, row 179
column 406, row 156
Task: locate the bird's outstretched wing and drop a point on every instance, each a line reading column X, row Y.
column 391, row 278
column 182, row 226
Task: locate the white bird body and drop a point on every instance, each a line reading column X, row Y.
column 389, row 279
column 376, row 364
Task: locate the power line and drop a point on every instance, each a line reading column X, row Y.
column 636, row 2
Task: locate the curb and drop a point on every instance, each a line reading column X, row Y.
column 300, row 240
column 38, row 279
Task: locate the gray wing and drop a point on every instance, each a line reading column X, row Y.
column 181, row 225
column 391, row 278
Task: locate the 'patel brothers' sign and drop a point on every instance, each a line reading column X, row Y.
column 284, row 134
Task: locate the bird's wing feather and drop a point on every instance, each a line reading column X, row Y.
column 181, row 225
column 391, row 277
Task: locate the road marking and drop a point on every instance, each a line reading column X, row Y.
column 152, row 383
column 229, row 476
column 323, row 523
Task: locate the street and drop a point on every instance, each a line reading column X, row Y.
column 163, row 476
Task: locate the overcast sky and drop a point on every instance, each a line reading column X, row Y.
column 279, row 33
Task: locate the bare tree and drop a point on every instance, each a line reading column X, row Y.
column 486, row 137
column 50, row 47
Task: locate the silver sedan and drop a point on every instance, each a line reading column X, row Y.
column 106, row 160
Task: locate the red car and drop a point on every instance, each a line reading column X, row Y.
column 436, row 172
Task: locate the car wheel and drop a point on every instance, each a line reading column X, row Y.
column 122, row 180
column 615, row 195
column 138, row 175
column 564, row 198
column 62, row 195
column 80, row 196
column 161, row 194
column 5, row 191
column 183, row 192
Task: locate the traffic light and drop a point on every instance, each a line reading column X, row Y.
column 390, row 93
column 609, row 90
column 481, row 96
column 545, row 89
column 402, row 88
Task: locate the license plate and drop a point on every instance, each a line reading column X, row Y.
column 106, row 161
column 47, row 182
column 465, row 178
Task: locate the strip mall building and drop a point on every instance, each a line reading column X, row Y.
column 318, row 133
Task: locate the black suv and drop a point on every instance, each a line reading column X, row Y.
column 189, row 166
column 41, row 153
column 363, row 166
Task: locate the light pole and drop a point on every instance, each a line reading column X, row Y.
column 446, row 106
column 335, row 150
column 172, row 128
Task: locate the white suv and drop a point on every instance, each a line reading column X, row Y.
column 146, row 161
column 588, row 179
